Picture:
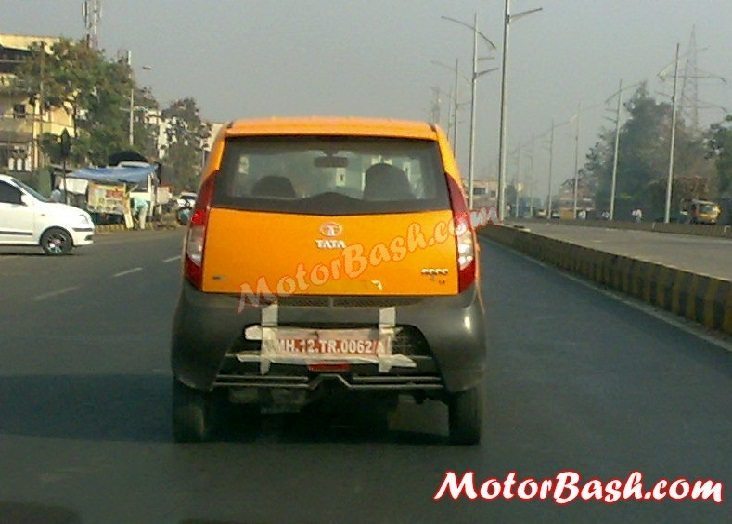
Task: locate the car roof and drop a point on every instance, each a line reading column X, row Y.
column 320, row 125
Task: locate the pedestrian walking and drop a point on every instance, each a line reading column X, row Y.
column 141, row 207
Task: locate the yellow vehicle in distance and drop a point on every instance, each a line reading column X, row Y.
column 699, row 211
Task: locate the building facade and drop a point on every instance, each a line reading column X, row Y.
column 23, row 120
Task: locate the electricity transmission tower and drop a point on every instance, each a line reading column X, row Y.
column 690, row 86
column 92, row 12
column 690, row 103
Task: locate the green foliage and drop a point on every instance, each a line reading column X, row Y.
column 186, row 134
column 643, row 158
column 720, row 148
column 93, row 89
column 146, row 135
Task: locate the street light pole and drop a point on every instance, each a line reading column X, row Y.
column 613, row 181
column 670, row 182
column 132, row 100
column 473, row 98
column 530, row 178
column 473, row 83
column 456, row 93
column 576, row 162
column 65, row 142
column 551, row 163
column 518, row 181
column 42, row 102
column 503, row 131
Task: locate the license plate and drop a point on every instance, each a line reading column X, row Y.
column 328, row 343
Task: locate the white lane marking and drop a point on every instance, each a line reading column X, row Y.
column 127, row 272
column 661, row 314
column 56, row 293
column 171, row 259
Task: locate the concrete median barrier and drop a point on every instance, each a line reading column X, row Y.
column 720, row 231
column 110, row 228
column 701, row 298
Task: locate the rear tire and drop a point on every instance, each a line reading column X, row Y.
column 192, row 414
column 56, row 241
column 465, row 412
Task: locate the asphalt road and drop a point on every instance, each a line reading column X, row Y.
column 707, row 255
column 577, row 381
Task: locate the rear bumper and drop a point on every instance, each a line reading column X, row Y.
column 207, row 326
column 387, row 383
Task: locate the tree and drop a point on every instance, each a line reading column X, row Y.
column 92, row 88
column 643, row 158
column 146, row 134
column 720, row 150
column 186, row 135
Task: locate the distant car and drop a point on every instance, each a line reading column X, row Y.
column 27, row 218
column 275, row 311
column 702, row 212
column 186, row 200
column 185, row 203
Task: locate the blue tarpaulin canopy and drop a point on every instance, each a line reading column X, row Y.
column 128, row 175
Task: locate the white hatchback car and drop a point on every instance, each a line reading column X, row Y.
column 27, row 218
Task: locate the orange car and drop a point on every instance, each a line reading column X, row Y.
column 328, row 256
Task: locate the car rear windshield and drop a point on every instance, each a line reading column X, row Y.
column 331, row 175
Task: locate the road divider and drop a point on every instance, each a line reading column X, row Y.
column 720, row 231
column 120, row 228
column 110, row 228
column 697, row 297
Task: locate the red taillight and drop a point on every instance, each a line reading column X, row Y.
column 196, row 238
column 330, row 367
column 464, row 237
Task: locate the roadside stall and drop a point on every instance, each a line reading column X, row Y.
column 109, row 199
column 108, row 193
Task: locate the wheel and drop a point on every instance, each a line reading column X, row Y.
column 56, row 241
column 192, row 414
column 465, row 416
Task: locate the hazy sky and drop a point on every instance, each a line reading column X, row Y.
column 242, row 58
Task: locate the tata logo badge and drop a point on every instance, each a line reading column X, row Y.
column 323, row 243
column 331, row 229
